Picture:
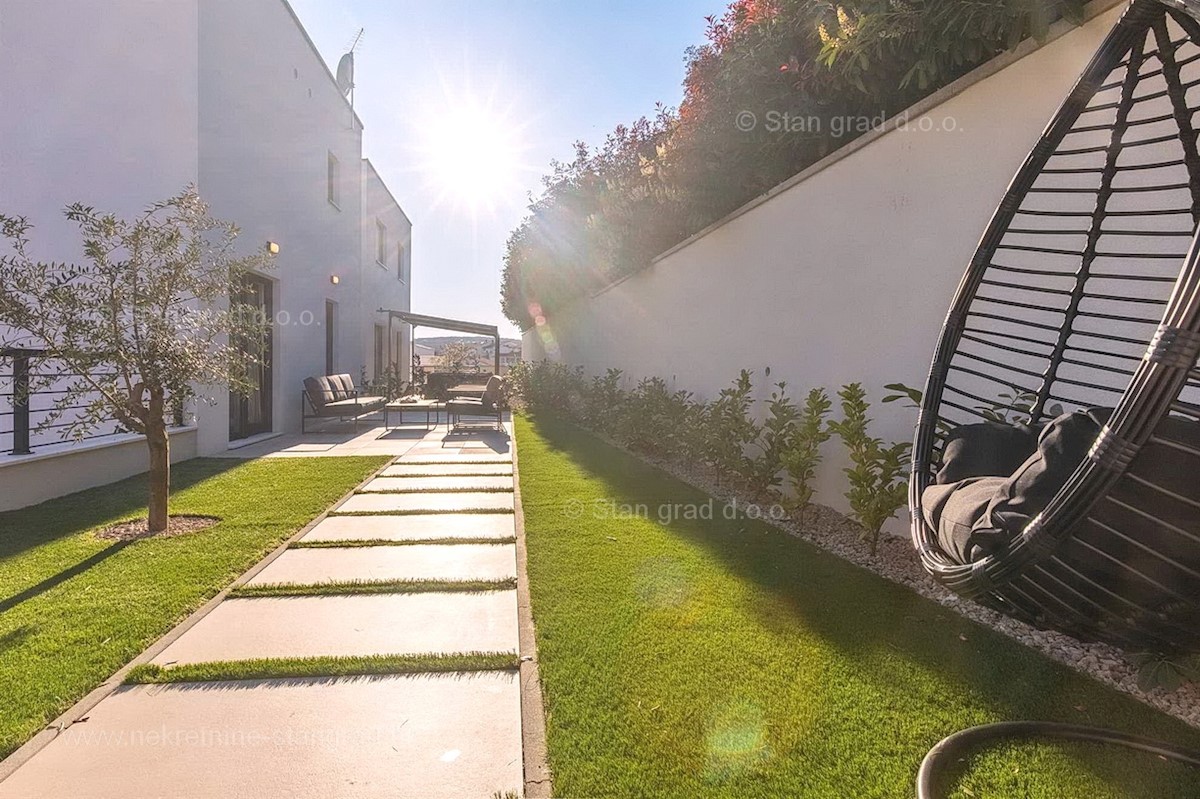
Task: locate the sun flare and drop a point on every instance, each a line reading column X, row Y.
column 472, row 153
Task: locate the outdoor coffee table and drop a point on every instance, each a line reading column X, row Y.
column 431, row 408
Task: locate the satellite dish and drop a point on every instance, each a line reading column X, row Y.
column 345, row 73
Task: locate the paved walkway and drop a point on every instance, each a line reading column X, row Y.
column 417, row 735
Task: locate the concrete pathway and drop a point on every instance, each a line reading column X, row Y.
column 405, row 735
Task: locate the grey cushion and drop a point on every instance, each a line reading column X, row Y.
column 349, row 405
column 492, row 391
column 955, row 510
column 988, row 449
column 1062, row 446
column 319, row 390
column 978, row 513
column 343, row 386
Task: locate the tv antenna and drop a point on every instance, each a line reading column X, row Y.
column 345, row 72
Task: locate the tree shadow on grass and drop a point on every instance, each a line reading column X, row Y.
column 869, row 620
column 28, row 528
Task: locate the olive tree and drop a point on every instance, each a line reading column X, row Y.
column 136, row 328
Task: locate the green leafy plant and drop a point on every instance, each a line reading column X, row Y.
column 1165, row 671
column 803, row 454
column 652, row 417
column 604, row 400
column 878, row 472
column 762, row 471
column 1016, row 407
column 728, row 427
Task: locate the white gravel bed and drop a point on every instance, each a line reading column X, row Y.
column 897, row 561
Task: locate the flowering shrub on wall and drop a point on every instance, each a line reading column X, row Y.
column 777, row 85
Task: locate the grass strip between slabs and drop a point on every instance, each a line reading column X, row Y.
column 392, row 542
column 320, row 666
column 343, row 588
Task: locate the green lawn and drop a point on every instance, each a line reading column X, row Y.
column 74, row 609
column 724, row 658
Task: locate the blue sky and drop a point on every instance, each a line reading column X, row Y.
column 520, row 80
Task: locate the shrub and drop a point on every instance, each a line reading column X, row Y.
column 728, row 427
column 761, row 472
column 878, row 484
column 654, row 417
column 548, row 387
column 803, row 454
column 603, row 402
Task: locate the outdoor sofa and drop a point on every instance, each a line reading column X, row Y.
column 334, row 397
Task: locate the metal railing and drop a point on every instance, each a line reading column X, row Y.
column 31, row 411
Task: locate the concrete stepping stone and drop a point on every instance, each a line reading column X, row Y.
column 446, row 503
column 440, row 456
column 387, row 624
column 447, row 469
column 433, row 736
column 415, row 562
column 413, row 527
column 446, row 483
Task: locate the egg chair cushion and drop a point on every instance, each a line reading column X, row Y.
column 957, row 511
column 987, row 449
column 1061, row 447
column 995, row 478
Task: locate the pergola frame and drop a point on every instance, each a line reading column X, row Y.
column 415, row 320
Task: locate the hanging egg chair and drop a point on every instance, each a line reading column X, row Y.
column 1084, row 295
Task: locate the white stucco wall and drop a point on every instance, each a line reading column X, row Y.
column 386, row 283
column 67, row 468
column 99, row 107
column 270, row 115
column 843, row 275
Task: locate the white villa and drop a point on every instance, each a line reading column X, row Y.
column 122, row 103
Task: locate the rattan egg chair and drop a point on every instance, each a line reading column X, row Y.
column 1085, row 292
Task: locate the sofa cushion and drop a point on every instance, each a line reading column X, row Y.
column 955, row 510
column 988, row 449
column 362, row 404
column 320, row 392
column 1061, row 447
column 493, row 391
column 343, row 385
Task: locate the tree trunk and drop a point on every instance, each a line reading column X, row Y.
column 160, row 466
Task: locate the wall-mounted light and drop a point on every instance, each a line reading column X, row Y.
column 273, row 247
column 334, row 279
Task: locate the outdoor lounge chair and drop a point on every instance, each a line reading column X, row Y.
column 334, row 397
column 1085, row 294
column 490, row 406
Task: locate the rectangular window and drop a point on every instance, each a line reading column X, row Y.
column 380, row 243
column 380, row 344
column 400, row 263
column 334, row 182
column 330, row 333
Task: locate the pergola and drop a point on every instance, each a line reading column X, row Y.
column 416, row 320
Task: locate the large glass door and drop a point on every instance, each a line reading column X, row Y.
column 250, row 413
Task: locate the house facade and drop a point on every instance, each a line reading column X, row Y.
column 122, row 103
